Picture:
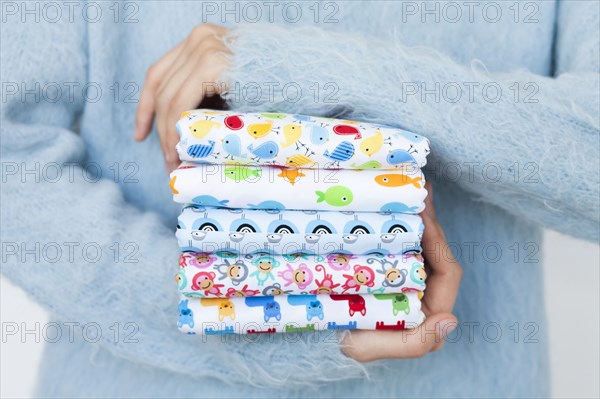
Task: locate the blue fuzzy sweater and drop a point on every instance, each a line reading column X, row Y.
column 515, row 152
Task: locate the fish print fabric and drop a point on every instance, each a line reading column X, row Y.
column 221, row 137
column 228, row 275
column 245, row 231
column 299, row 313
column 265, row 187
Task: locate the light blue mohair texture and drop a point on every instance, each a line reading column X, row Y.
column 547, row 151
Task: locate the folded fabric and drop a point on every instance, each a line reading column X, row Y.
column 299, row 313
column 212, row 275
column 265, row 187
column 219, row 137
column 244, row 231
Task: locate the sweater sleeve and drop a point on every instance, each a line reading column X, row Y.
column 94, row 260
column 524, row 142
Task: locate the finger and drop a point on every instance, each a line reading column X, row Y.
column 169, row 137
column 146, row 104
column 445, row 272
column 201, row 84
column 367, row 346
column 202, row 35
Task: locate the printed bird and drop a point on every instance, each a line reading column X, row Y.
column 318, row 135
column 201, row 150
column 292, row 134
column 372, row 145
column 258, row 130
column 397, row 157
column 232, row 145
column 291, row 175
column 397, row 180
column 298, row 161
column 342, row 152
column 266, row 150
column 347, row 130
column 238, row 173
column 200, row 129
column 234, row 122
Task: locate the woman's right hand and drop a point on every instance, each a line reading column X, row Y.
column 178, row 82
column 442, row 288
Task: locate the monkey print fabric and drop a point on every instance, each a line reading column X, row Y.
column 265, row 187
column 299, row 313
column 219, row 137
column 211, row 275
column 245, row 231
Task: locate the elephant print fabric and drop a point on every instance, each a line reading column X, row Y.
column 264, row 187
column 222, row 137
column 295, row 233
column 205, row 275
column 299, row 313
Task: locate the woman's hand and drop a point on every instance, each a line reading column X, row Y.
column 444, row 274
column 179, row 81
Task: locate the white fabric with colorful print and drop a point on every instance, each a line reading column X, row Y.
column 247, row 231
column 221, row 275
column 220, row 137
column 265, row 187
column 299, row 313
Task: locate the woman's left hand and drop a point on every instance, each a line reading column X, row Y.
column 179, row 81
column 442, row 287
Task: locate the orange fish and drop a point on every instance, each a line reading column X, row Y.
column 291, row 175
column 397, row 180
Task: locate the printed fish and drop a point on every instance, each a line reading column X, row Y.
column 397, row 180
column 200, row 129
column 267, row 150
column 336, row 196
column 342, row 152
column 397, row 157
column 298, row 160
column 258, row 130
column 238, row 173
column 292, row 134
column 201, row 150
column 367, row 165
column 291, row 175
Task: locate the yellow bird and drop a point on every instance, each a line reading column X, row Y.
column 258, row 130
column 200, row 129
column 372, row 145
column 292, row 134
column 298, row 161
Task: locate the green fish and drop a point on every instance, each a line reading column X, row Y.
column 368, row 165
column 335, row 196
column 239, row 173
column 274, row 116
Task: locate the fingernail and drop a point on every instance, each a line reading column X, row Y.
column 446, row 327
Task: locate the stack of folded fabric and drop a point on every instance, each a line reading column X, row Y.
column 296, row 223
